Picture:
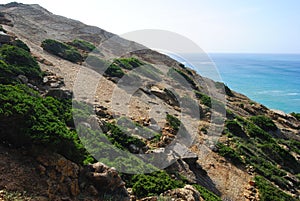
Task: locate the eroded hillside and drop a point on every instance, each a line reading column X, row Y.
column 146, row 108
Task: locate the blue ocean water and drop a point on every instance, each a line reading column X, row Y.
column 270, row 79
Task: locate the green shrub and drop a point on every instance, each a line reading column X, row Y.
column 296, row 115
column 204, row 99
column 228, row 92
column 174, row 122
column 264, row 122
column 37, row 123
column 206, row 194
column 17, row 61
column 62, row 50
column 179, row 74
column 114, row 71
column 83, row 45
column 21, row 44
column 229, row 153
column 255, row 131
column 235, row 128
column 153, row 184
column 269, row 192
column 123, row 139
column 128, row 63
column 281, row 156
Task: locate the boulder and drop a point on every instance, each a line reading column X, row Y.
column 100, row 178
column 165, row 94
column 59, row 93
column 188, row 193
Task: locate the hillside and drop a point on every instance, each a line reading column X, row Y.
column 87, row 115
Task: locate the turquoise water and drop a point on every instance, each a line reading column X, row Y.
column 270, row 79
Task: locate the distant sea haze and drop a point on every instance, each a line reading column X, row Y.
column 270, row 79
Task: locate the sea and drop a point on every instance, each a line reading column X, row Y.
column 270, row 79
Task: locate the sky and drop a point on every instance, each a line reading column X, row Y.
column 227, row 26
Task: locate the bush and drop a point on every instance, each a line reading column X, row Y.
column 255, row 131
column 83, row 45
column 21, row 44
column 114, row 71
column 229, row 153
column 269, row 192
column 296, row 115
column 37, row 123
column 174, row 122
column 264, row 122
column 206, row 194
column 128, row 63
column 121, row 139
column 228, row 91
column 235, row 128
column 62, row 50
column 174, row 73
column 204, row 99
column 17, row 61
column 153, row 184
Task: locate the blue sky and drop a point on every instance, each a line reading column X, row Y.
column 241, row 26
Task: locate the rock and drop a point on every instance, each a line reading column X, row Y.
column 62, row 173
column 183, row 169
column 252, row 183
column 60, row 93
column 5, row 38
column 188, row 193
column 23, row 79
column 104, row 180
column 165, row 94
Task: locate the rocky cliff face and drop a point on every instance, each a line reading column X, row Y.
column 256, row 157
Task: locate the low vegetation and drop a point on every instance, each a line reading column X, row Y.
column 174, row 122
column 264, row 153
column 206, row 194
column 229, row 153
column 153, row 184
column 62, row 50
column 83, row 45
column 41, row 121
column 269, row 192
column 264, row 122
column 296, row 115
column 178, row 75
column 17, row 61
column 204, row 99
column 128, row 63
